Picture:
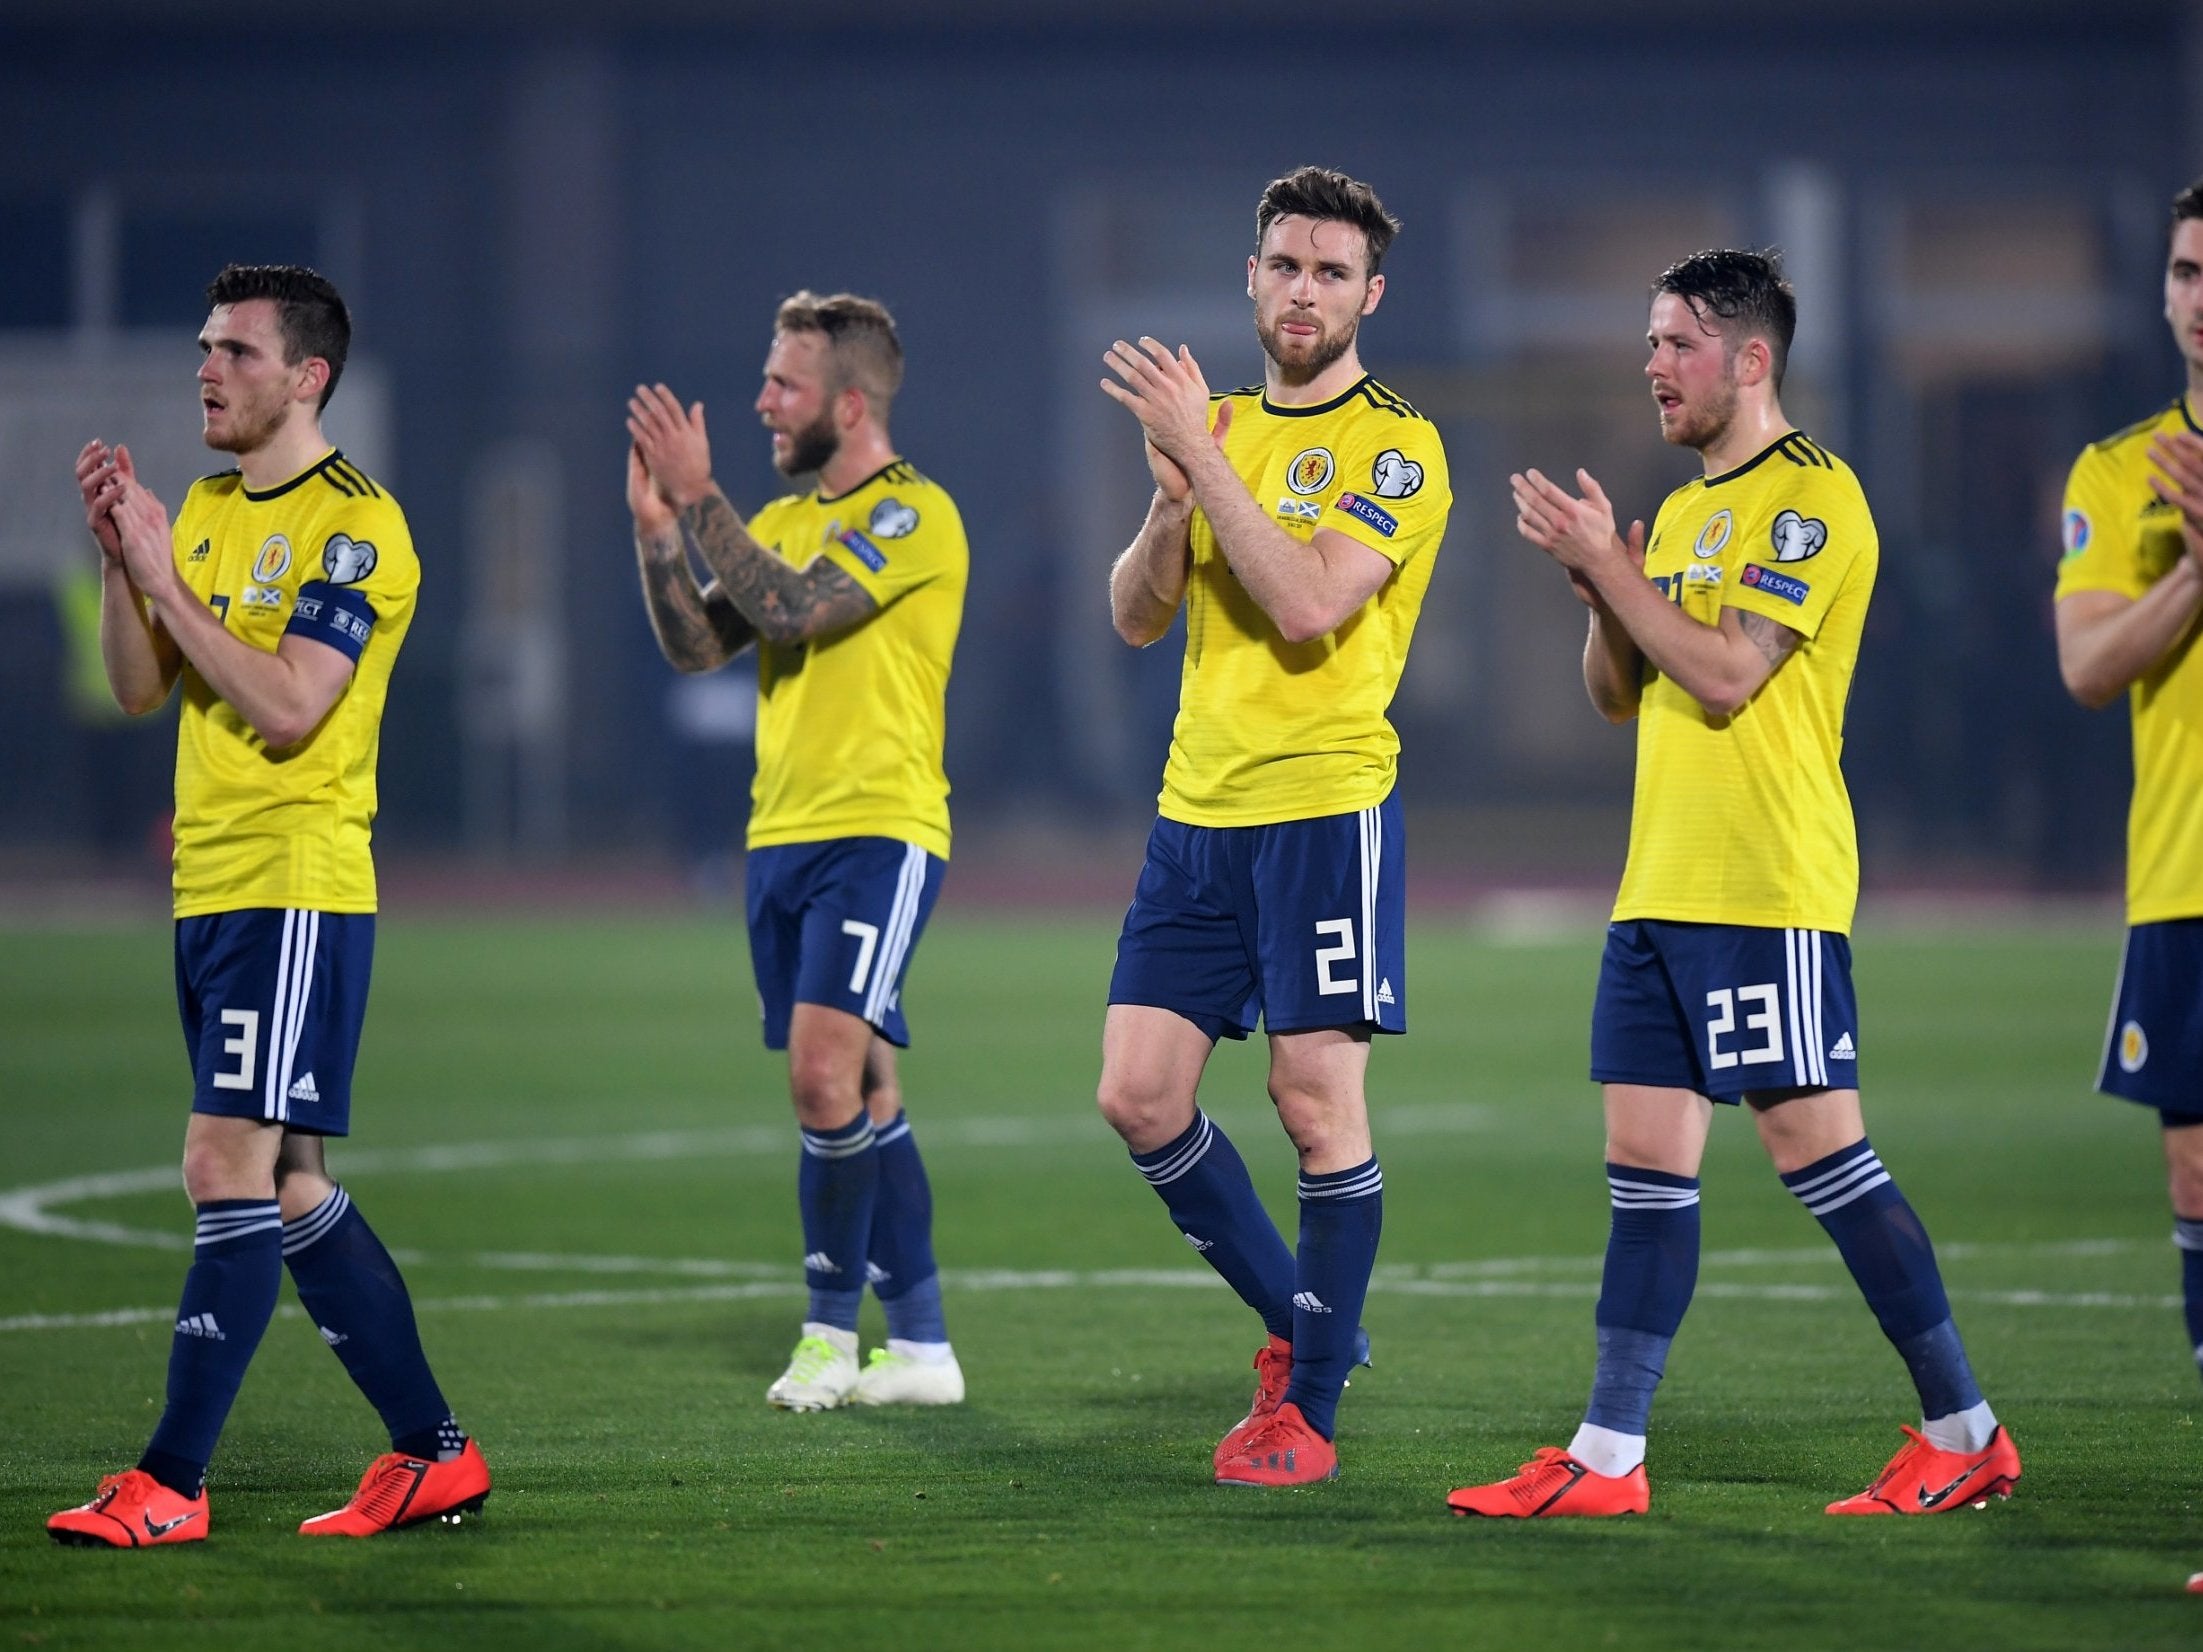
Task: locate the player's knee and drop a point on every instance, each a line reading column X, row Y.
column 1318, row 1123
column 2185, row 1179
column 826, row 1094
column 214, row 1170
column 1144, row 1112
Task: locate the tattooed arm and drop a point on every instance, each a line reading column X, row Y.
column 780, row 603
column 698, row 628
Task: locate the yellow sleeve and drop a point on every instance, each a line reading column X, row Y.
column 1393, row 488
column 2102, row 544
column 1795, row 552
column 910, row 537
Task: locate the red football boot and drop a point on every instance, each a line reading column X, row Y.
column 1922, row 1480
column 132, row 1511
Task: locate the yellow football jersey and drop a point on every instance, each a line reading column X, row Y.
column 1745, row 819
column 2119, row 536
column 327, row 554
column 1269, row 730
column 850, row 726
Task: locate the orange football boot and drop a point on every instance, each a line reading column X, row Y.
column 1273, row 1373
column 1554, row 1485
column 1922, row 1480
column 1280, row 1450
column 132, row 1511
column 398, row 1490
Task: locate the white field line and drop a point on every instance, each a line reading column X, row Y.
column 987, row 1280
column 32, row 1210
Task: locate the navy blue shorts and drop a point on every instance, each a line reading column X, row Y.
column 1298, row 925
column 272, row 1001
column 834, row 923
column 1724, row 1009
column 2154, row 1054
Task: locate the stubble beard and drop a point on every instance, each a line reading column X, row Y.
column 1704, row 428
column 244, row 435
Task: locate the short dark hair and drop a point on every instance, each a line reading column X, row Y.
column 2187, row 204
column 1320, row 193
column 308, row 311
column 860, row 339
column 1739, row 295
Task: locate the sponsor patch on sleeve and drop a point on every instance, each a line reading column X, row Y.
column 2077, row 532
column 1367, row 511
column 1792, row 590
column 863, row 549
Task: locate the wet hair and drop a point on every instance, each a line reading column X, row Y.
column 308, row 312
column 861, row 344
column 1738, row 295
column 1320, row 193
column 2187, row 204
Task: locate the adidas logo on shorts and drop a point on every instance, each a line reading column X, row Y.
column 819, row 1262
column 1843, row 1049
column 304, row 1090
column 1384, row 992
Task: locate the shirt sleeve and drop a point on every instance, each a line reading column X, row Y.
column 1793, row 558
column 364, row 570
column 908, row 537
column 1393, row 490
column 2102, row 542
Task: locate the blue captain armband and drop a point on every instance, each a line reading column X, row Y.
column 338, row 615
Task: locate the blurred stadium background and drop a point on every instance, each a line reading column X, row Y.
column 531, row 207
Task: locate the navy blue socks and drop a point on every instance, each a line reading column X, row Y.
column 2187, row 1233
column 1341, row 1215
column 1204, row 1185
column 899, row 1261
column 358, row 1301
column 1888, row 1253
column 837, row 1188
column 229, row 1297
column 1651, row 1271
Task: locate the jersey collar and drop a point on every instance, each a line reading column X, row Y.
column 826, row 498
column 300, row 480
column 2187, row 414
column 1338, row 401
column 1756, row 460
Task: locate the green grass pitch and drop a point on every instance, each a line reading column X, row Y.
column 569, row 1132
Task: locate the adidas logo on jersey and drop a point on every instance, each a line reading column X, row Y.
column 819, row 1262
column 1384, row 992
column 1309, row 1302
column 199, row 551
column 1843, row 1049
column 200, row 1325
column 304, row 1090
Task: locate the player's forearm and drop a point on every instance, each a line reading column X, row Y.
column 141, row 664
column 2106, row 646
column 280, row 702
column 1289, row 579
column 781, row 604
column 1148, row 582
column 1718, row 669
column 696, row 631
column 1613, row 669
